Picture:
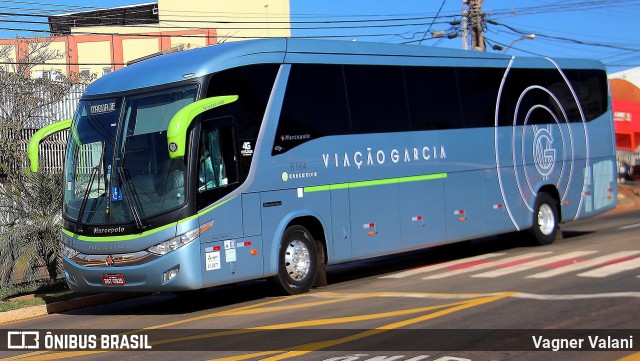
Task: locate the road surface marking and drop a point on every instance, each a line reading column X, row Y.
column 595, row 262
column 454, row 307
column 631, row 226
column 612, row 269
column 527, row 257
column 533, row 296
column 439, row 266
column 532, row 264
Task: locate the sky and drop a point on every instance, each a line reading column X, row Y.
column 606, row 30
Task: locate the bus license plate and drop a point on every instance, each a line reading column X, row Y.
column 113, row 280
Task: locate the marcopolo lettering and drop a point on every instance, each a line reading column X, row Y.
column 108, row 230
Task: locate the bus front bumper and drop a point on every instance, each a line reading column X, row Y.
column 176, row 271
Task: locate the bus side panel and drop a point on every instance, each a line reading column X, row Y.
column 226, row 220
column 280, row 208
column 375, row 220
column 225, row 254
column 340, row 245
column 422, row 213
column 497, row 218
column 464, row 212
column 251, row 214
column 514, row 204
column 604, row 184
column 231, row 260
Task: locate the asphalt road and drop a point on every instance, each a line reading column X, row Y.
column 488, row 299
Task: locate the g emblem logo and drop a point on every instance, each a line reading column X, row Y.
column 544, row 156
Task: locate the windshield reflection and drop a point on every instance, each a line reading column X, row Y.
column 124, row 148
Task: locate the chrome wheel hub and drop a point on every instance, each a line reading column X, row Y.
column 546, row 219
column 297, row 260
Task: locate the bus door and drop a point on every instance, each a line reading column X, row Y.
column 217, row 175
column 228, row 245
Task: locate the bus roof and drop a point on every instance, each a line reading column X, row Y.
column 175, row 67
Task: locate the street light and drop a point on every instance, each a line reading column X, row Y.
column 523, row 37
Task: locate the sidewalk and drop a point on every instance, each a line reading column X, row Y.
column 64, row 306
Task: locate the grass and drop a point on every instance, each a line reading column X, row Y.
column 17, row 304
column 44, row 292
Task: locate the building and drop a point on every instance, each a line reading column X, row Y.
column 625, row 94
column 101, row 41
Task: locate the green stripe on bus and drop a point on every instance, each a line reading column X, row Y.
column 127, row 237
column 131, row 237
column 373, row 183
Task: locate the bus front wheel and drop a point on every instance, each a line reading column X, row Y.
column 545, row 220
column 297, row 261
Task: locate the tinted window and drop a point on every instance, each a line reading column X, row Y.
column 591, row 88
column 315, row 105
column 218, row 172
column 434, row 101
column 377, row 99
column 252, row 84
column 527, row 91
column 478, row 94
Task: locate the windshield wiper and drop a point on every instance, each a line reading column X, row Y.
column 131, row 200
column 79, row 228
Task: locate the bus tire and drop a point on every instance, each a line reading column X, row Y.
column 297, row 261
column 545, row 220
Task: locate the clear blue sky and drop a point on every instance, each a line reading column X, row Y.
column 607, row 30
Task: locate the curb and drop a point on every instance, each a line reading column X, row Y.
column 88, row 301
column 64, row 306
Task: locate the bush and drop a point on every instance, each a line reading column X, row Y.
column 29, row 242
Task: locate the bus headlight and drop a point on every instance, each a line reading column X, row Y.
column 175, row 242
column 68, row 251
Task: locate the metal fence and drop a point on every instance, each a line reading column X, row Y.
column 52, row 149
column 628, row 156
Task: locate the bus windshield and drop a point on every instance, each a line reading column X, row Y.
column 118, row 168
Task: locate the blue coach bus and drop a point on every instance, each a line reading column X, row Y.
column 274, row 158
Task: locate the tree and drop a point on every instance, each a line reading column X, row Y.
column 23, row 97
column 30, row 204
column 30, row 238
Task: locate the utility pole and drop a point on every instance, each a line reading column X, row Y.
column 465, row 26
column 473, row 20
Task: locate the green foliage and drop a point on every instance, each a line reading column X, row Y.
column 45, row 292
column 29, row 242
column 17, row 304
column 30, row 204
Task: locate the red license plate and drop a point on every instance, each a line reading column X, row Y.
column 113, row 280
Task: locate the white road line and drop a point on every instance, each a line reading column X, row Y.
column 612, row 269
column 438, row 266
column 532, row 264
column 631, row 226
column 533, row 296
column 491, row 264
column 584, row 264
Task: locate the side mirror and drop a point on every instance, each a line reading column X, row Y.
column 179, row 124
column 38, row 137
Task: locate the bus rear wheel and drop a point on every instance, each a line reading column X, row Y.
column 297, row 261
column 545, row 220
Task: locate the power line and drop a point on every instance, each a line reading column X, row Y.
column 430, row 25
column 565, row 39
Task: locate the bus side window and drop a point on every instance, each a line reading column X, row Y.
column 217, row 161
